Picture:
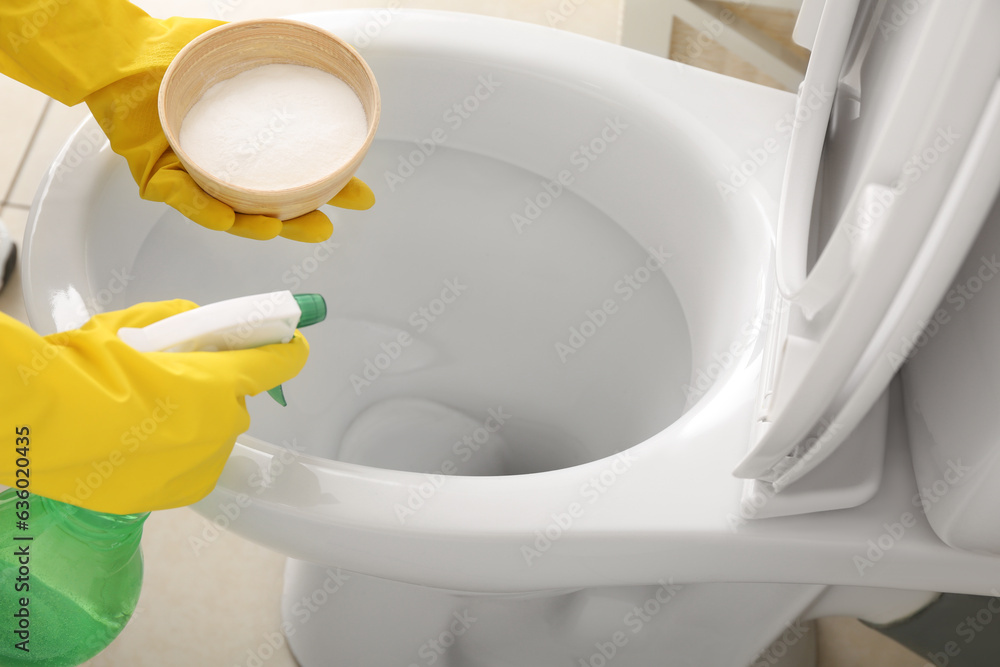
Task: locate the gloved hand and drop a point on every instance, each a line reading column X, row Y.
column 113, row 55
column 115, row 430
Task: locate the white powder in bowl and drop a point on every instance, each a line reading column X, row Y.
column 274, row 127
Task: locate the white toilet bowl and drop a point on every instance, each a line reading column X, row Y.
column 541, row 366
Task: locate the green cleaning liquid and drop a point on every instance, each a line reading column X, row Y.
column 69, row 580
column 71, row 634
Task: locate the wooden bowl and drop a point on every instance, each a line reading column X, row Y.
column 224, row 52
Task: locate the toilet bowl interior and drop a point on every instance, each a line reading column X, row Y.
column 548, row 271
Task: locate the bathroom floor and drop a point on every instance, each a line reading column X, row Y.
column 211, row 598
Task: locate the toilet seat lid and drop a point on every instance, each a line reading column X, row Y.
column 893, row 162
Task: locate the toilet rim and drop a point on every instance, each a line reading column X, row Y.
column 529, row 527
column 710, row 418
column 721, row 414
column 712, row 413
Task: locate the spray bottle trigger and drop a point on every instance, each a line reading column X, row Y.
column 313, row 309
column 278, row 394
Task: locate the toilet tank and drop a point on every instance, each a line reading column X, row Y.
column 952, row 391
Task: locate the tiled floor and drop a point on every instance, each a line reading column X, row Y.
column 214, row 607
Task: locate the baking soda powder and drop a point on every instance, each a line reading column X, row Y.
column 274, row 127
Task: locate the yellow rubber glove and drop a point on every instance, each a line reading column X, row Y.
column 115, row 430
column 112, row 55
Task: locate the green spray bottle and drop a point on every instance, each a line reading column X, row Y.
column 72, row 576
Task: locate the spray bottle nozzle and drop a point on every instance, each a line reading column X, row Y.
column 313, row 307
